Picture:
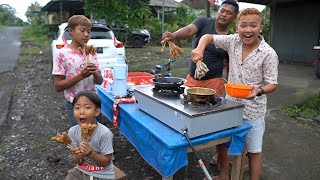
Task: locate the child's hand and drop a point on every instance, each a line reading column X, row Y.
column 85, row 148
column 88, row 70
column 77, row 152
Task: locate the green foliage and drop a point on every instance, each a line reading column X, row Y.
column 121, row 12
column 154, row 26
column 34, row 14
column 309, row 109
column 172, row 22
column 266, row 24
column 37, row 32
column 7, row 16
column 182, row 17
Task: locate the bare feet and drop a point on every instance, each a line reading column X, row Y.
column 213, row 161
column 217, row 178
column 220, row 177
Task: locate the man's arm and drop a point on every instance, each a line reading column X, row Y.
column 197, row 53
column 182, row 33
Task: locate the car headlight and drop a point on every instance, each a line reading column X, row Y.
column 145, row 31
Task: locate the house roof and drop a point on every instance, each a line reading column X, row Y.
column 167, row 3
column 195, row 4
column 263, row 2
column 54, row 5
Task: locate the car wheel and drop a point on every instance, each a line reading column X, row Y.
column 137, row 42
column 317, row 68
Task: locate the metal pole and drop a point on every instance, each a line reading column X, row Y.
column 162, row 28
column 208, row 8
column 60, row 12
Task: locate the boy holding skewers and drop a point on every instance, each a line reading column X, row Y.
column 73, row 70
column 252, row 62
column 91, row 141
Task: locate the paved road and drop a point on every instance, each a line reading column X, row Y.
column 9, row 55
column 9, row 48
column 291, row 147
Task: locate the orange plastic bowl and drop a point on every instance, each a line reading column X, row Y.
column 237, row 90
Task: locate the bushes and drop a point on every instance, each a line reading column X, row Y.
column 172, row 22
column 310, row 109
column 37, row 32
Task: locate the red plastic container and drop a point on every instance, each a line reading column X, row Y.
column 140, row 78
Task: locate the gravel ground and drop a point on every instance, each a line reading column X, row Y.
column 37, row 113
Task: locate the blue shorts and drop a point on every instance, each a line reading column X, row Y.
column 72, row 120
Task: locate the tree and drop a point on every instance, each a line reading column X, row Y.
column 7, row 16
column 121, row 12
column 36, row 19
column 34, row 13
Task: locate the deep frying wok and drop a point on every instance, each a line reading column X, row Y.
column 168, row 83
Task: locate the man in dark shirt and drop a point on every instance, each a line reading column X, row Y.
column 213, row 57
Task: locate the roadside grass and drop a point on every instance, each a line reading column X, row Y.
column 309, row 109
column 35, row 36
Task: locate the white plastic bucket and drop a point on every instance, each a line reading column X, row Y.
column 107, row 73
column 119, row 87
column 107, row 83
column 120, row 71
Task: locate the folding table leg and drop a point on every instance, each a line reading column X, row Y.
column 243, row 160
column 170, row 178
column 236, row 164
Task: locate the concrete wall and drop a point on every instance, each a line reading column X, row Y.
column 295, row 30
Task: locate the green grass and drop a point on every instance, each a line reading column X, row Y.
column 37, row 34
column 309, row 109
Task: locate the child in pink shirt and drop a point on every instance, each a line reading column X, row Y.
column 71, row 71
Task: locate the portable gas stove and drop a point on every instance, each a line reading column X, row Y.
column 178, row 113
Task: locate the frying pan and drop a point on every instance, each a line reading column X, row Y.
column 168, row 83
column 200, row 95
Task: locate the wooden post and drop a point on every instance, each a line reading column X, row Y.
column 208, row 8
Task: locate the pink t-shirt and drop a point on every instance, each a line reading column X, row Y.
column 69, row 63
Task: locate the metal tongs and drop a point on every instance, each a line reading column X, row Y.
column 200, row 162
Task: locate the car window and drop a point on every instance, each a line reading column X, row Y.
column 101, row 33
column 96, row 33
column 66, row 35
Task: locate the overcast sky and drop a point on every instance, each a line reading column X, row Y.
column 21, row 6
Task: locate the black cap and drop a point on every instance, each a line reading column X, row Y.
column 233, row 3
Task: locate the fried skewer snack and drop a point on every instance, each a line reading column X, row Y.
column 201, row 70
column 175, row 51
column 87, row 130
column 88, row 50
column 62, row 138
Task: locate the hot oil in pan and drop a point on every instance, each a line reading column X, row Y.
column 207, row 105
column 168, row 92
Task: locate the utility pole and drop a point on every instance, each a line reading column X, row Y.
column 207, row 8
column 162, row 28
